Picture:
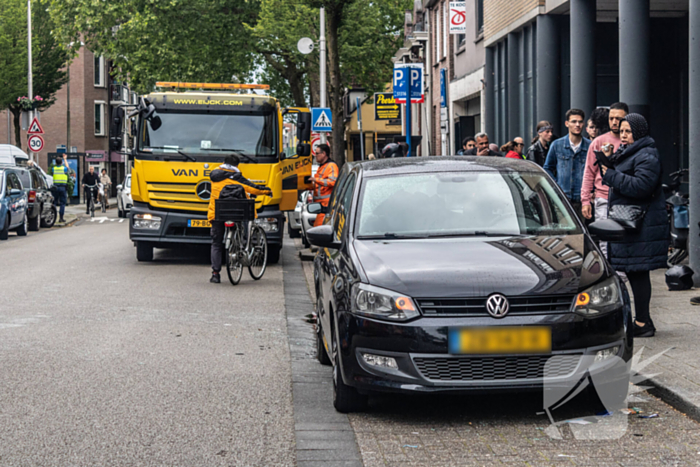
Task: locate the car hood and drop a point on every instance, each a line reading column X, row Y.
column 478, row 267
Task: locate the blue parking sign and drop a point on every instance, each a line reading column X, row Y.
column 322, row 119
column 408, row 76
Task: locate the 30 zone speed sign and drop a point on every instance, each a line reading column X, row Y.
column 36, row 143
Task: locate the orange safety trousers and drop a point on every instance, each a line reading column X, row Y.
column 324, row 181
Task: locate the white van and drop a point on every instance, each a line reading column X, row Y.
column 12, row 155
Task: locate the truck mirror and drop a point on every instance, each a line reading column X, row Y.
column 156, row 122
column 303, row 149
column 115, row 143
column 150, row 110
column 304, row 127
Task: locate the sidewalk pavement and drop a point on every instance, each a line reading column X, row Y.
column 677, row 322
column 74, row 212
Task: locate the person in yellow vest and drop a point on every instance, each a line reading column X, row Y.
column 60, row 173
column 226, row 174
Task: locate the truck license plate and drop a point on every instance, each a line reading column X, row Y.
column 499, row 340
column 198, row 223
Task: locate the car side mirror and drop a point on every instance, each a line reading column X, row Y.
column 322, row 237
column 314, row 208
column 607, row 230
column 15, row 192
column 119, row 187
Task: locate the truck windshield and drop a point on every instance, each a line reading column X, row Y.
column 253, row 134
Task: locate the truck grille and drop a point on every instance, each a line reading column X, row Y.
column 175, row 196
column 495, row 368
column 520, row 305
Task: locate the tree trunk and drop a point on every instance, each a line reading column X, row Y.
column 335, row 15
column 16, row 114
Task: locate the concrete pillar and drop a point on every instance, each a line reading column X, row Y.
column 547, row 62
column 635, row 44
column 694, row 138
column 513, row 87
column 489, row 93
column 583, row 66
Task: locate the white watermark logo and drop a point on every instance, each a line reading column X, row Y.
column 604, row 376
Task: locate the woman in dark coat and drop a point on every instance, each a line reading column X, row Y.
column 635, row 179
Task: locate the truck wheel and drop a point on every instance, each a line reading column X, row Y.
column 273, row 254
column 144, row 251
column 34, row 222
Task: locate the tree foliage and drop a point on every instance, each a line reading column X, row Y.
column 49, row 57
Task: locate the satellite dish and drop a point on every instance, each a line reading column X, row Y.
column 305, row 45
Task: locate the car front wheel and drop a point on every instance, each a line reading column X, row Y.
column 346, row 399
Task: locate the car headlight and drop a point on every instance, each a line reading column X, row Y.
column 268, row 224
column 381, row 303
column 600, row 298
column 147, row 221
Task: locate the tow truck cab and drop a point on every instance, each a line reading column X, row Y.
column 183, row 136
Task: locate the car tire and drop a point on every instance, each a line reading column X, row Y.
column 24, row 228
column 120, row 211
column 321, row 354
column 293, row 233
column 50, row 219
column 34, row 222
column 5, row 231
column 305, row 242
column 346, row 399
column 144, row 252
column 273, row 254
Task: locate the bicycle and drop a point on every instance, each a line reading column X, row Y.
column 90, row 192
column 245, row 243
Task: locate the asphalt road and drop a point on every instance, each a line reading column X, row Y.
column 106, row 361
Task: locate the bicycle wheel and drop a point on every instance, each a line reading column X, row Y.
column 258, row 246
column 234, row 268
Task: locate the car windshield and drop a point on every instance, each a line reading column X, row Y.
column 462, row 204
column 253, row 134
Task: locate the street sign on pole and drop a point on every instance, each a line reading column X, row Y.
column 405, row 73
column 35, row 143
column 385, row 107
column 359, row 127
column 322, row 120
column 35, row 128
column 458, row 17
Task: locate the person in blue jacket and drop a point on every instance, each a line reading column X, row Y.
column 635, row 179
column 566, row 158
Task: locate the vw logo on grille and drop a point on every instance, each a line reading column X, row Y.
column 497, row 305
column 203, row 190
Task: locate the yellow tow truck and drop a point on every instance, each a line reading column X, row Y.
column 184, row 131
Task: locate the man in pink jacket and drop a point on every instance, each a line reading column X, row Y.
column 592, row 179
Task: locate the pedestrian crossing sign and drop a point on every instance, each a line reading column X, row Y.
column 322, row 119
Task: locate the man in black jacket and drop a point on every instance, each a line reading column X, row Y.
column 537, row 153
column 90, row 182
column 482, row 147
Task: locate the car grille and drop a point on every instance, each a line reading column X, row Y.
column 521, row 305
column 495, row 368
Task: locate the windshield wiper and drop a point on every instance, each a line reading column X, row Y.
column 238, row 152
column 187, row 156
column 389, row 235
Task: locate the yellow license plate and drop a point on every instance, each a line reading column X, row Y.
column 198, row 223
column 500, row 340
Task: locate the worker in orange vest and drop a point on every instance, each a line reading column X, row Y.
column 325, row 178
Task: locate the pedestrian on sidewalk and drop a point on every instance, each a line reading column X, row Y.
column 106, row 186
column 598, row 123
column 60, row 173
column 537, row 152
column 593, row 191
column 566, row 158
column 514, row 149
column 482, row 147
column 468, row 144
column 635, row 180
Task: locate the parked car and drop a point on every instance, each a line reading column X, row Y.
column 124, row 201
column 463, row 274
column 13, row 205
column 40, row 208
column 294, row 228
column 307, row 219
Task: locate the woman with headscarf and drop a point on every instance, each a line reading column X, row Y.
column 633, row 174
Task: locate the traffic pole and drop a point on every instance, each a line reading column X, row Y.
column 29, row 57
column 408, row 117
column 322, row 64
column 359, row 127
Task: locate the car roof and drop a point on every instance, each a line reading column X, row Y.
column 408, row 165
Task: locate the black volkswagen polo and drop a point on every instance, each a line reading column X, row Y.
column 459, row 274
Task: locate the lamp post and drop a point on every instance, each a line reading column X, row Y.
column 322, row 64
column 29, row 60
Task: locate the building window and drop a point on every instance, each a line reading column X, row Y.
column 99, row 118
column 479, row 18
column 445, row 27
column 461, row 40
column 99, row 72
column 438, row 35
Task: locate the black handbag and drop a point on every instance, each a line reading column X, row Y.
column 628, row 216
